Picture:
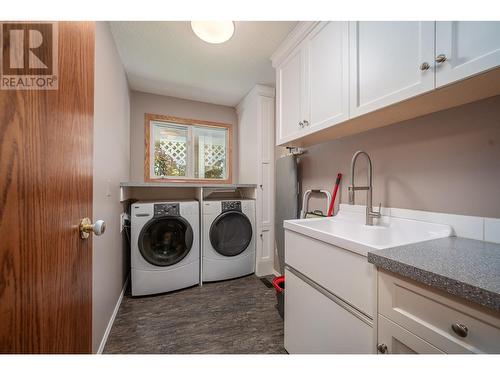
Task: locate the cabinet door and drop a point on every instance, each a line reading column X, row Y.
column 265, row 190
column 290, row 82
column 398, row 340
column 386, row 63
column 315, row 324
column 469, row 47
column 328, row 83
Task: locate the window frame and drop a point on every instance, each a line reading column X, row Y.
column 150, row 119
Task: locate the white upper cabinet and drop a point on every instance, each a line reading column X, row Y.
column 290, row 87
column 328, row 72
column 465, row 48
column 313, row 82
column 389, row 62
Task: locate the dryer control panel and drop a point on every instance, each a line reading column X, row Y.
column 231, row 206
column 166, row 209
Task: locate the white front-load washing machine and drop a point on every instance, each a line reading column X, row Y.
column 165, row 249
column 228, row 239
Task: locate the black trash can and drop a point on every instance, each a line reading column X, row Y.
column 279, row 286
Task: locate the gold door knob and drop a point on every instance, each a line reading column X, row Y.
column 86, row 227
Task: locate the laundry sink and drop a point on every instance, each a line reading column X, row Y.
column 348, row 230
column 330, row 279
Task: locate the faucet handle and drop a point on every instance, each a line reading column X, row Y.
column 379, row 210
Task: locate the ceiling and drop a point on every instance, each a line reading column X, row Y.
column 167, row 58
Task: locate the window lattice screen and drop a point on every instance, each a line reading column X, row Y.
column 214, row 154
column 176, row 150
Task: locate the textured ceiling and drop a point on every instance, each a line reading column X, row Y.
column 166, row 58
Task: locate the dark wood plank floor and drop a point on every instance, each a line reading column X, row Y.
column 236, row 316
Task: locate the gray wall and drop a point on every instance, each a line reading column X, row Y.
column 141, row 103
column 111, row 165
column 444, row 162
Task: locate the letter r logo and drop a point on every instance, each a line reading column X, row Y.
column 27, row 49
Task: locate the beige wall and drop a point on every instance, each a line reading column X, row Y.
column 111, row 165
column 444, row 162
column 141, row 103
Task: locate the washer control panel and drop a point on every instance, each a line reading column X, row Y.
column 166, row 209
column 231, row 206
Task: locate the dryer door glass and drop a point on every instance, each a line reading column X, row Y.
column 165, row 241
column 230, row 233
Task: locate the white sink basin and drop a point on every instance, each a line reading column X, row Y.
column 348, row 230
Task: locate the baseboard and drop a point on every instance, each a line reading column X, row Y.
column 112, row 319
column 264, row 268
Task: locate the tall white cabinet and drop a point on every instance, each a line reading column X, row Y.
column 256, row 166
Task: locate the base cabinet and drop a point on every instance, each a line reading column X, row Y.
column 414, row 317
column 316, row 324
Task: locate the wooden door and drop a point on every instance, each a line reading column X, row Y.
column 290, row 84
column 328, row 84
column 45, row 188
column 468, row 48
column 386, row 63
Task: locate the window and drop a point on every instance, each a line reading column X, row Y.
column 186, row 150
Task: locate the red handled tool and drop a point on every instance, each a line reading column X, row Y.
column 334, row 195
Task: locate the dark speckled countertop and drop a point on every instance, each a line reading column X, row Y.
column 466, row 268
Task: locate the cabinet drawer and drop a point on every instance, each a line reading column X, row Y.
column 430, row 314
column 401, row 341
column 316, row 324
column 346, row 274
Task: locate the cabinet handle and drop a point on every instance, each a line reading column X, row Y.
column 382, row 348
column 460, row 329
column 441, row 58
column 424, row 66
column 306, row 123
column 301, row 124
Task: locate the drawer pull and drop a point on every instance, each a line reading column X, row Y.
column 460, row 329
column 382, row 348
column 440, row 58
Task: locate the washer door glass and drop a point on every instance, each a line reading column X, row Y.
column 165, row 241
column 230, row 233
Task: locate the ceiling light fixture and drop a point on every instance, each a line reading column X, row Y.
column 214, row 32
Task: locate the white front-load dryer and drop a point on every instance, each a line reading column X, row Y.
column 165, row 249
column 228, row 239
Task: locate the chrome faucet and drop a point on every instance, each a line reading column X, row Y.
column 370, row 214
